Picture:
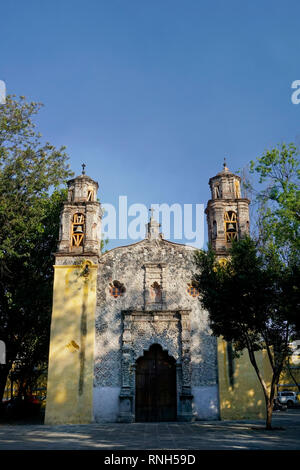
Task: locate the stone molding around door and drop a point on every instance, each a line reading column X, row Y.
column 171, row 330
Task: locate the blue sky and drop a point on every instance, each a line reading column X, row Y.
column 152, row 95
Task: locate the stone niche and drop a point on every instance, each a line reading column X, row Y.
column 171, row 330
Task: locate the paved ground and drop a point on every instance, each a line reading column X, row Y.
column 208, row 435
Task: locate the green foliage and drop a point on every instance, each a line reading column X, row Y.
column 246, row 298
column 31, row 174
column 29, row 169
column 278, row 200
column 253, row 302
column 28, row 313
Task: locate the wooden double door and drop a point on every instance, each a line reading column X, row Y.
column 155, row 397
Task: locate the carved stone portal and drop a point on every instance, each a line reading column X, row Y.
column 171, row 330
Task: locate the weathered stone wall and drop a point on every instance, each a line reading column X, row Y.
column 137, row 266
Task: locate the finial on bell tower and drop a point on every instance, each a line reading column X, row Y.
column 83, row 168
column 225, row 168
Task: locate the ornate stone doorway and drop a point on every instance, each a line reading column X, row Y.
column 155, row 383
column 142, row 330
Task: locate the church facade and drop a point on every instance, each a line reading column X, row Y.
column 129, row 338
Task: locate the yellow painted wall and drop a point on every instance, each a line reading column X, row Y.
column 245, row 399
column 291, row 375
column 286, row 382
column 71, row 355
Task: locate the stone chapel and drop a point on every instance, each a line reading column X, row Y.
column 129, row 338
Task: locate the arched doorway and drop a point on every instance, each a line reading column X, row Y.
column 155, row 386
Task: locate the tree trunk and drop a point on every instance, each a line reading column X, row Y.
column 4, row 371
column 268, row 399
column 269, row 408
column 291, row 374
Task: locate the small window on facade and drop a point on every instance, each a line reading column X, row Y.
column 230, row 222
column 77, row 230
column 90, row 196
column 116, row 289
column 156, row 292
column 192, row 289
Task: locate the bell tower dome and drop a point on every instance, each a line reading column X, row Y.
column 227, row 211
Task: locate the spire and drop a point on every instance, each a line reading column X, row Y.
column 225, row 168
column 151, row 210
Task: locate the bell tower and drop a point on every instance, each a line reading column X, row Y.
column 227, row 211
column 72, row 336
column 80, row 225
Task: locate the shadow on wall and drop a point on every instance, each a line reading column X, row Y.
column 240, row 392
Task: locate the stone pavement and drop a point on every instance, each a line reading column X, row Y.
column 202, row 435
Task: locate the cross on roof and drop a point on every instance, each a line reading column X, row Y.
column 152, row 211
column 83, row 168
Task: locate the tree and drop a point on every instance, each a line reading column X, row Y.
column 31, row 174
column 278, row 201
column 248, row 299
column 278, row 223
